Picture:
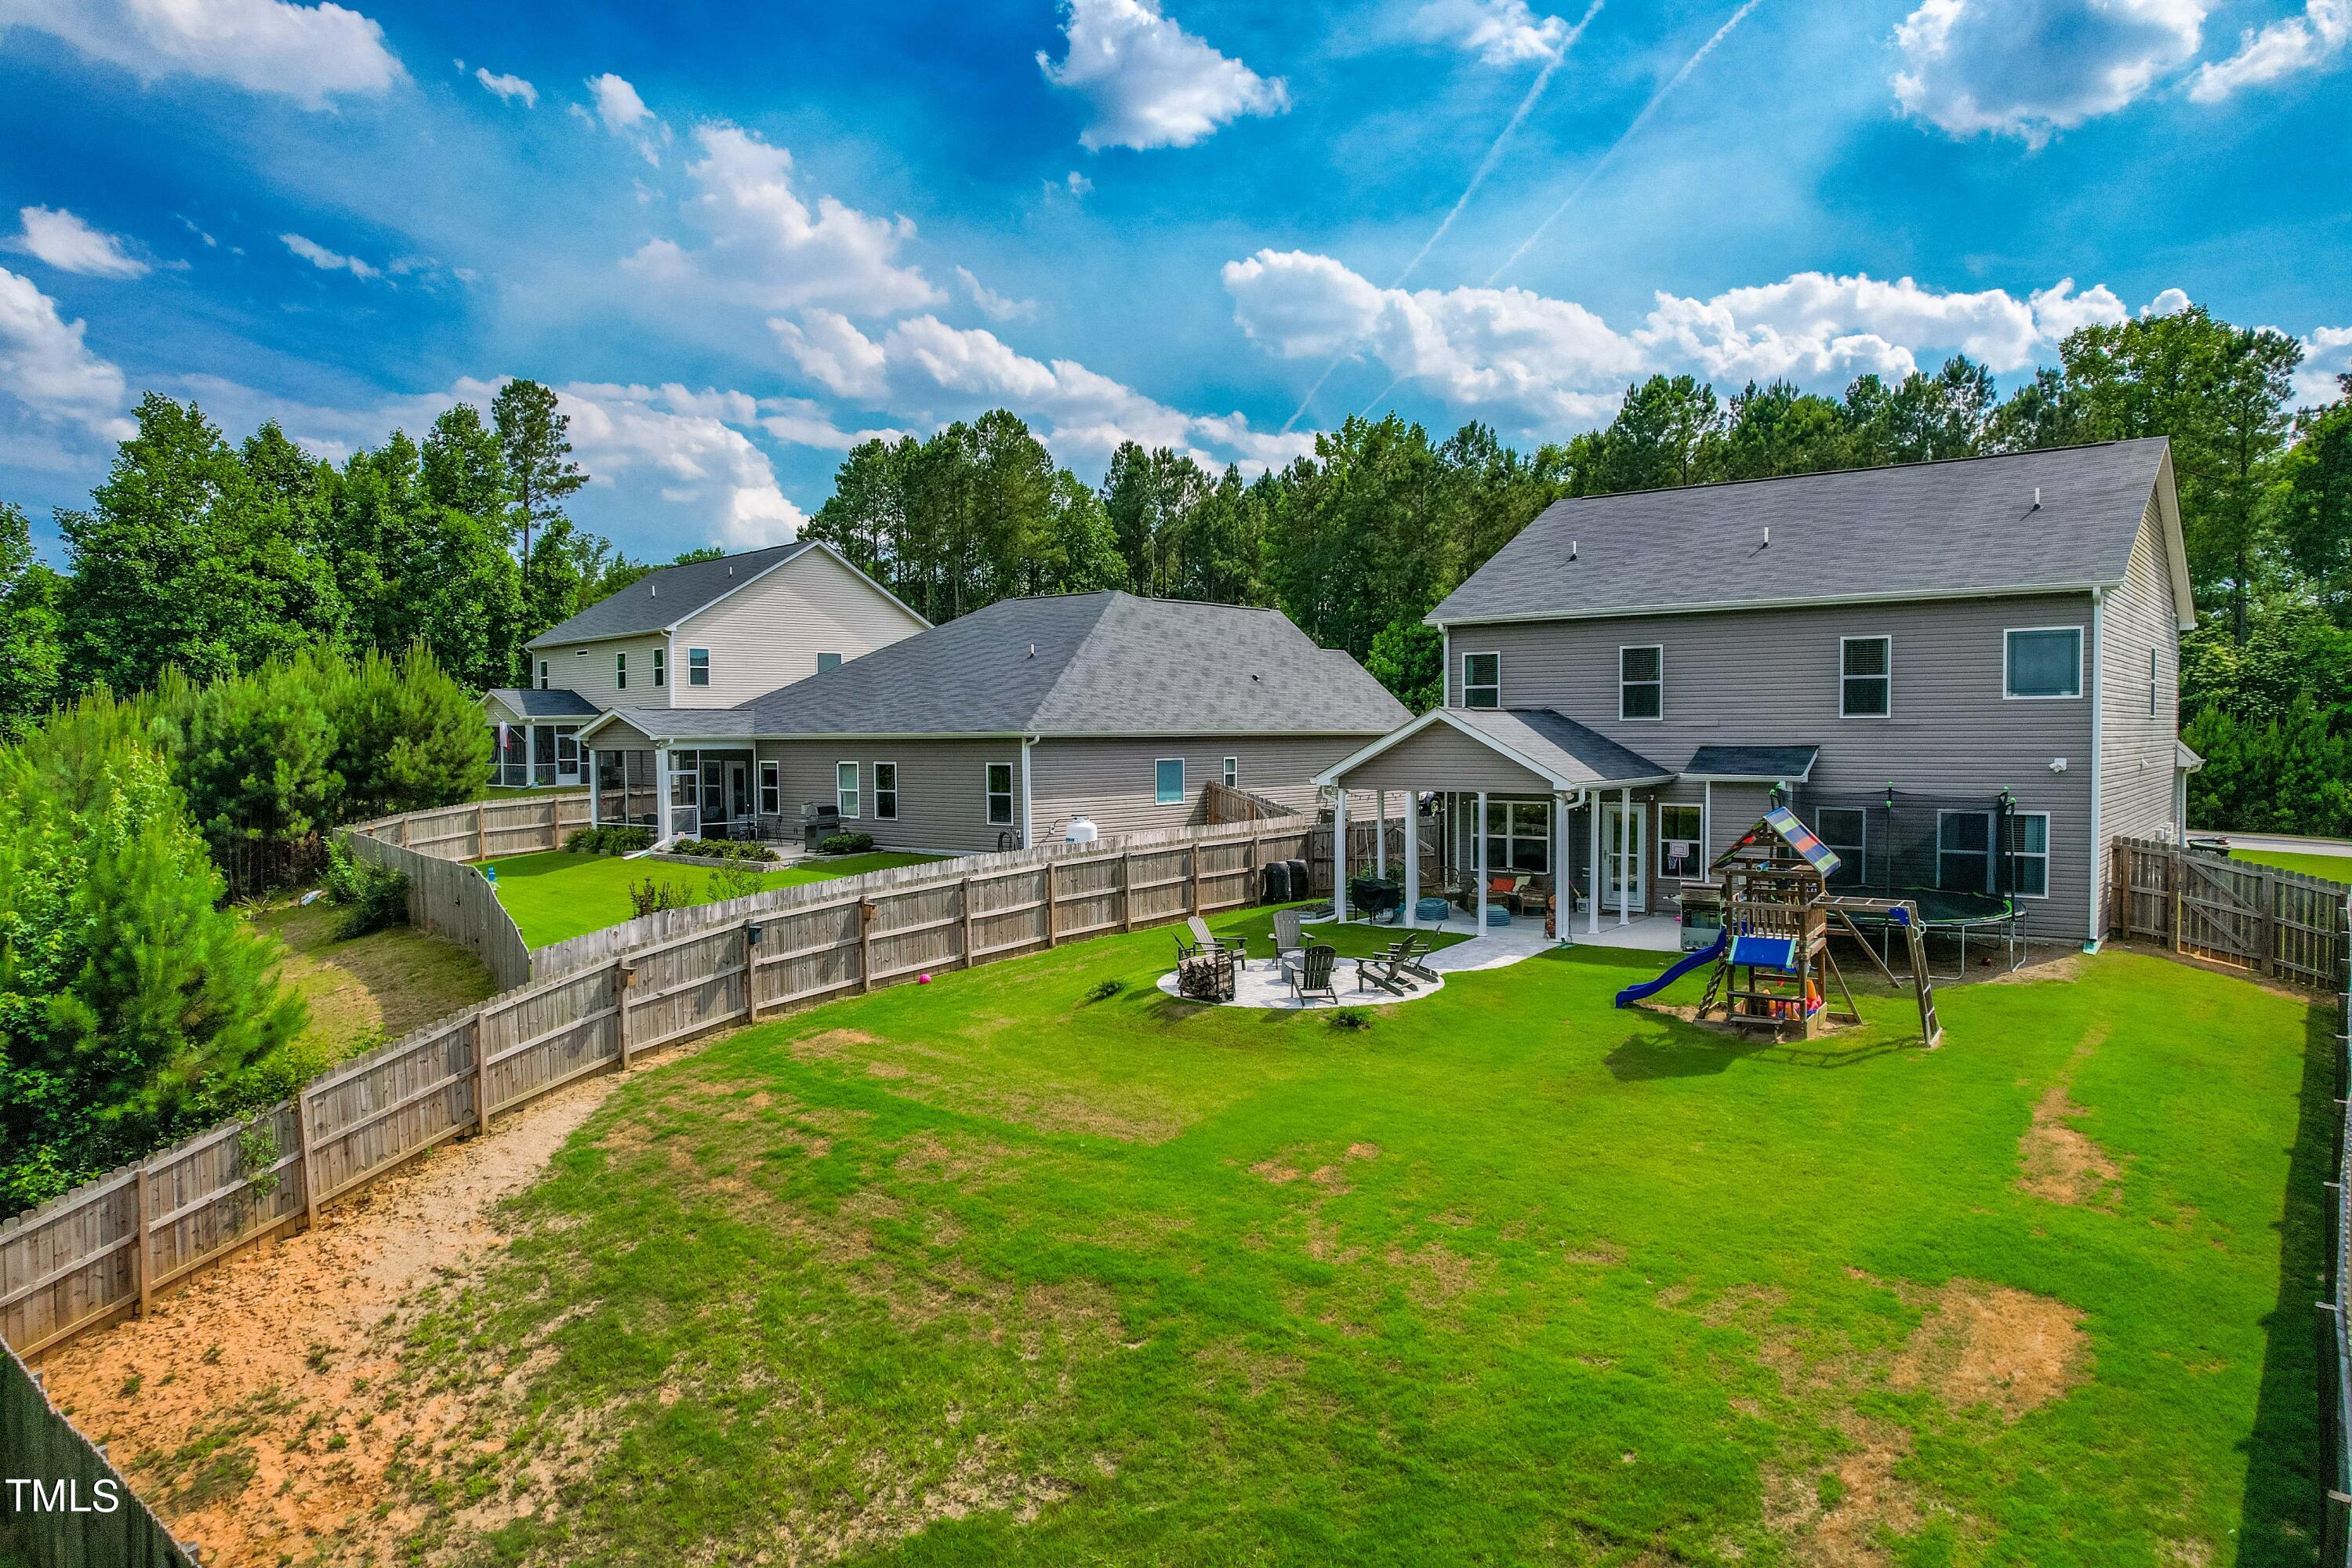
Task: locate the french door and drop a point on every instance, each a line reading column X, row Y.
column 1621, row 840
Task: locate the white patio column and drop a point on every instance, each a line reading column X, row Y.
column 1478, row 839
column 1625, row 854
column 1563, row 887
column 1339, row 855
column 1412, row 856
column 1592, row 904
column 661, row 794
column 596, row 811
column 531, row 755
column 1380, row 833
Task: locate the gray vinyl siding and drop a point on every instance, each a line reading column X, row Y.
column 1443, row 758
column 1112, row 782
column 768, row 633
column 2135, row 767
column 942, row 787
column 1772, row 678
column 588, row 668
column 619, row 736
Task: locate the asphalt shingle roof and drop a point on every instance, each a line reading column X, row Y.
column 666, row 595
column 1087, row 664
column 1791, row 762
column 1557, row 743
column 1964, row 526
column 533, row 703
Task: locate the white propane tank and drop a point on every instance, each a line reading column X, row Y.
column 1080, row 831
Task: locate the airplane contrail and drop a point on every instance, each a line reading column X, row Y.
column 1478, row 177
column 1631, row 131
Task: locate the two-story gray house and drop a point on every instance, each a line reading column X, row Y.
column 706, row 634
column 1964, row 676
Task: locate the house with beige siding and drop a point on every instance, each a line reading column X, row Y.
column 1014, row 724
column 701, row 635
column 1964, row 676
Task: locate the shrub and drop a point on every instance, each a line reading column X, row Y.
column 847, row 844
column 1104, row 990
column 371, row 896
column 407, row 735
column 736, row 880
column 1351, row 1018
column 651, row 896
column 610, row 840
column 722, row 849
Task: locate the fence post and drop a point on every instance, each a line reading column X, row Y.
column 1126, row 890
column 1053, row 932
column 1195, row 858
column 751, row 958
column 481, row 1078
column 963, row 911
column 482, row 830
column 2176, row 877
column 865, row 912
column 139, row 1241
column 624, row 976
column 309, row 1159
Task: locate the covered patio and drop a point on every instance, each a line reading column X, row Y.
column 704, row 782
column 1538, row 815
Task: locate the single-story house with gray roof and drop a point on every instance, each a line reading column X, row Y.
column 1964, row 676
column 699, row 634
column 1002, row 728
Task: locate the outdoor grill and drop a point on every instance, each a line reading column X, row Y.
column 819, row 820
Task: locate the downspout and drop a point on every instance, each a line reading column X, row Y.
column 1028, row 836
column 1445, row 666
column 2093, row 934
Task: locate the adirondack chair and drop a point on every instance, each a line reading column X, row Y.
column 1205, row 940
column 1396, row 971
column 1309, row 973
column 1288, row 943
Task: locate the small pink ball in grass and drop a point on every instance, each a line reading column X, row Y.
column 922, row 980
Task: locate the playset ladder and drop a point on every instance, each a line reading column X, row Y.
column 1931, row 1029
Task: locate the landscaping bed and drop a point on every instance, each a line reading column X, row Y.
column 1003, row 1268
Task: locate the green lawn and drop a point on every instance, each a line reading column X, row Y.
column 2335, row 868
column 366, row 990
column 555, row 894
column 985, row 1271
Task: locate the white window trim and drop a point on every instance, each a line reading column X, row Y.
column 1700, row 839
column 878, row 815
column 1992, row 841
column 690, row 669
column 621, row 669
column 1889, row 638
column 1159, row 762
column 542, row 675
column 1863, row 872
column 661, row 671
column 856, row 790
column 1547, row 837
column 1231, row 772
column 2045, row 856
column 771, row 769
column 1660, row 716
column 988, row 794
column 2074, row 696
column 1493, row 653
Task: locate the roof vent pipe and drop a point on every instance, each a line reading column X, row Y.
column 1572, row 549
column 653, row 590
column 1033, row 650
column 2037, row 497
column 1768, row 537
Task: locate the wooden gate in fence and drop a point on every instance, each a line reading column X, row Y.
column 2281, row 925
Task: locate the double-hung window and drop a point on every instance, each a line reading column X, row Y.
column 1233, row 773
column 1168, row 782
column 1642, row 682
column 1481, row 680
column 1518, row 836
column 1865, row 677
column 844, row 788
column 621, row 671
column 698, row 667
column 885, row 791
column 2043, row 662
column 1846, row 830
column 1000, row 795
column 1963, row 851
column 542, row 676
column 1683, row 825
column 772, row 789
column 661, row 667
column 2029, row 853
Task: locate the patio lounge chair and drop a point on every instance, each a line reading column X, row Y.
column 1205, row 940
column 1398, row 971
column 1309, row 973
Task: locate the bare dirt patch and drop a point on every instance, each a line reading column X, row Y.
column 1276, row 1171
column 1991, row 1344
column 263, row 1418
column 2056, row 1159
column 1838, row 1517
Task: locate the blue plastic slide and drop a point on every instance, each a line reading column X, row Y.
column 1649, row 988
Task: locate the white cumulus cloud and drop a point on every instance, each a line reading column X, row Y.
column 311, row 54
column 49, row 370
column 996, row 307
column 1499, row 32
column 326, row 261
column 508, row 87
column 1548, row 363
column 687, row 445
column 2285, row 47
column 70, row 245
column 2170, row 302
column 617, row 103
column 1149, row 83
column 2030, row 68
column 773, row 249
column 2326, row 355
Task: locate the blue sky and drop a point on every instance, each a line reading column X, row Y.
column 739, row 240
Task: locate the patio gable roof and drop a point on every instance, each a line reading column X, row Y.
column 531, row 702
column 1535, row 747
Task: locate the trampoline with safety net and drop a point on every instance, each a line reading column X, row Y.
column 1963, row 861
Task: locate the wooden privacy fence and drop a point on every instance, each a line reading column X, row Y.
column 481, row 829
column 2282, row 925
column 2334, row 1323
column 105, row 1248
column 68, row 1506
column 457, row 903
